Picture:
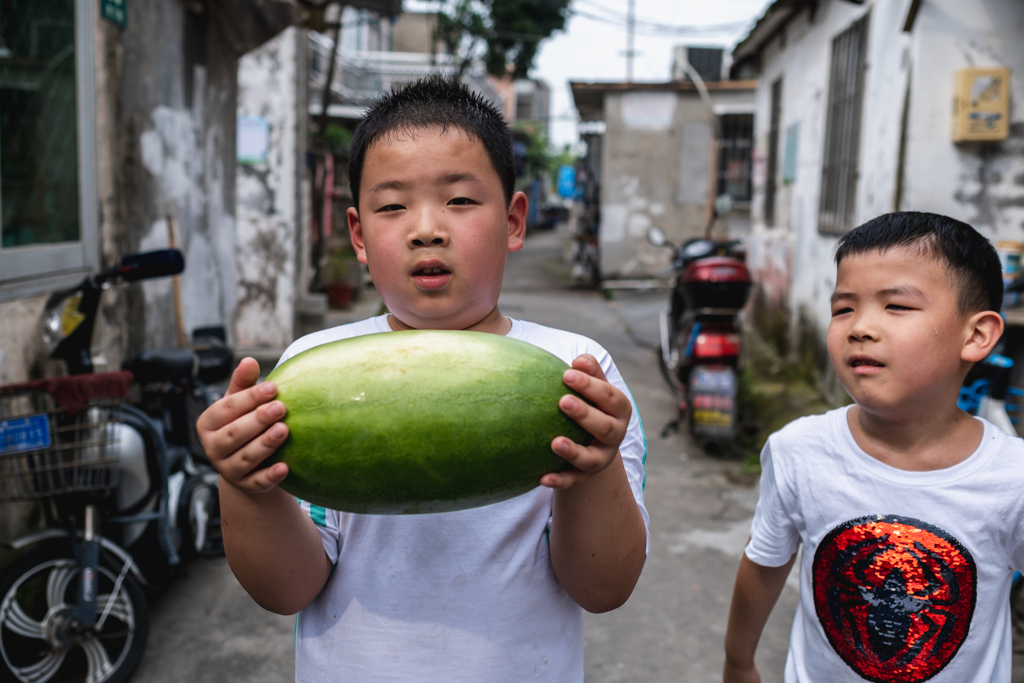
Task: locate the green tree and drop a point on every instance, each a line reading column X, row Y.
column 503, row 33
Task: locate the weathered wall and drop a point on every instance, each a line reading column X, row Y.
column 179, row 120
column 980, row 184
column 271, row 86
column 656, row 160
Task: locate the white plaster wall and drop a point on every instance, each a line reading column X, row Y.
column 20, row 339
column 655, row 163
column 181, row 150
column 267, row 196
column 981, row 184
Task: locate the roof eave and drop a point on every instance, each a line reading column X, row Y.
column 771, row 22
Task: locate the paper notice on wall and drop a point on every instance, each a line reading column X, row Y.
column 253, row 140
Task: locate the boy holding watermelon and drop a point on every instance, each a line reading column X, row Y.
column 488, row 594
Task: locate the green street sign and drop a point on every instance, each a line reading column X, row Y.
column 114, row 11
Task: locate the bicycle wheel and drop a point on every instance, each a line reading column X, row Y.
column 38, row 642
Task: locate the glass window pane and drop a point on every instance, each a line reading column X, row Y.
column 38, row 127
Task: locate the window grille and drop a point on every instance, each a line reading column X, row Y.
column 771, row 179
column 734, row 156
column 842, row 130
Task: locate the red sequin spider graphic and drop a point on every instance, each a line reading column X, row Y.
column 894, row 595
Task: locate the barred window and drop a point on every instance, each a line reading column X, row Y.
column 734, row 156
column 842, row 130
column 47, row 171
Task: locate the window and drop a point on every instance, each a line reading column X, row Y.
column 771, row 179
column 734, row 156
column 47, row 174
column 842, row 130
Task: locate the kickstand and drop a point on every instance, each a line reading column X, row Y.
column 670, row 428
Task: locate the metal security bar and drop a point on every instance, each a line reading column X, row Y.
column 734, row 156
column 771, row 177
column 842, row 130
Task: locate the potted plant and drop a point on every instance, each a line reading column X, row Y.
column 343, row 274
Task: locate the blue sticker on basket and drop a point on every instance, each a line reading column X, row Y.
column 25, row 434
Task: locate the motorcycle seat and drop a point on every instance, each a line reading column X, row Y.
column 163, row 365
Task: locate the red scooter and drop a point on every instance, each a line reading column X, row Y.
column 699, row 329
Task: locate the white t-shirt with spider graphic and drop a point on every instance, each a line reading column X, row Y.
column 905, row 576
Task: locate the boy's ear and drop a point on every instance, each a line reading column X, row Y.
column 985, row 329
column 517, row 221
column 355, row 229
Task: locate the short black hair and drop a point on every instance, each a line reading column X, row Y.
column 972, row 262
column 435, row 101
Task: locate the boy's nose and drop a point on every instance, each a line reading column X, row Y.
column 428, row 232
column 862, row 330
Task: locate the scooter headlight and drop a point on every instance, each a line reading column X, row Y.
column 60, row 319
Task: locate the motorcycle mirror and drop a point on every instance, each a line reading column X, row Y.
column 150, row 264
column 656, row 236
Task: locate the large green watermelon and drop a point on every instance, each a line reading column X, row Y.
column 421, row 421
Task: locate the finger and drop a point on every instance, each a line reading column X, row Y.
column 598, row 391
column 233, row 406
column 265, row 480
column 244, row 462
column 588, row 364
column 605, row 428
column 591, row 459
column 245, row 375
column 235, row 435
column 563, row 480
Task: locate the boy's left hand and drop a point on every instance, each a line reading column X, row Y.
column 606, row 420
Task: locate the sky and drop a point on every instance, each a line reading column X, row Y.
column 593, row 44
column 590, row 49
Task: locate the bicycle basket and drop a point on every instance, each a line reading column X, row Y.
column 46, row 450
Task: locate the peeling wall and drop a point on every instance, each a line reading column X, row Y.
column 179, row 97
column 982, row 184
column 656, row 160
column 271, row 86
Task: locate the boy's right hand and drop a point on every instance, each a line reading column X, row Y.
column 243, row 429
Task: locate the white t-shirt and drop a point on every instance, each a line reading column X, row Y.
column 905, row 575
column 458, row 596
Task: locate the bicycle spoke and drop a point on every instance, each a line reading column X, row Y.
column 120, row 610
column 57, row 583
column 43, row 670
column 98, row 661
column 15, row 619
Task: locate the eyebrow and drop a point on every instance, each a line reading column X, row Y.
column 904, row 290
column 388, row 185
column 450, row 179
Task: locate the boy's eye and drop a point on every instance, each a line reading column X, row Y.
column 461, row 201
column 897, row 307
column 391, row 207
column 841, row 311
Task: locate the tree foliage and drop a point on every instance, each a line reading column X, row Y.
column 505, row 34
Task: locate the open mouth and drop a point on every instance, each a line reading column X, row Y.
column 865, row 362
column 433, row 277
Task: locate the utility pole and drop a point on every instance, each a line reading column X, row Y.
column 630, row 52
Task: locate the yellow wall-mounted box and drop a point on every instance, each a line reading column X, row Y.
column 981, row 105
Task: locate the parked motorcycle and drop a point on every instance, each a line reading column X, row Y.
column 699, row 332
column 121, row 481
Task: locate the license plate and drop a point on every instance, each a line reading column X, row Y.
column 24, row 434
column 714, row 380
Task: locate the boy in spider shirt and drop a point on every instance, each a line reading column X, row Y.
column 909, row 510
column 489, row 594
